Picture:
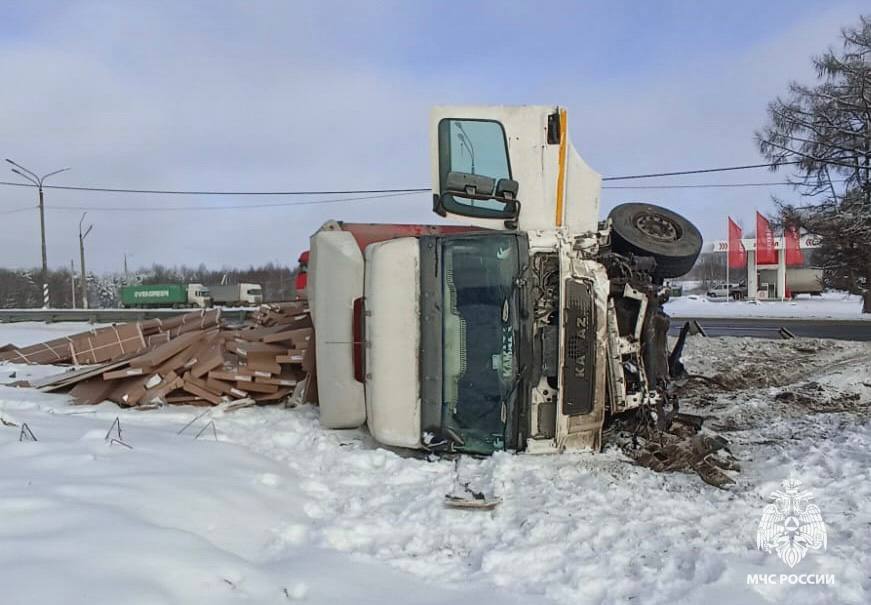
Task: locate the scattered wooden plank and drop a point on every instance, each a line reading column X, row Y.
column 211, row 359
column 230, row 376
column 161, row 353
column 170, row 383
column 292, row 357
column 128, row 391
column 66, row 379
column 278, row 395
column 123, row 373
column 287, row 378
column 202, row 393
column 300, row 336
column 92, row 391
column 258, row 387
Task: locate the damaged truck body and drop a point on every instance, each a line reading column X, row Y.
column 524, row 328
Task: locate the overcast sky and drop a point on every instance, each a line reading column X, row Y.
column 258, row 95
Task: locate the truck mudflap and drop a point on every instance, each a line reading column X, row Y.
column 583, row 361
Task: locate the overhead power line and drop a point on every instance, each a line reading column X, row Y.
column 217, row 193
column 226, row 207
column 14, row 210
column 362, row 191
column 710, row 185
column 76, row 208
column 63, row 207
column 655, row 175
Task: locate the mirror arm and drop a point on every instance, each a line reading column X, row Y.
column 511, row 223
column 437, row 205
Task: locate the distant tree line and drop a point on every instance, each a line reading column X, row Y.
column 22, row 288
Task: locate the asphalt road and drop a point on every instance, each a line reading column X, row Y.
column 765, row 327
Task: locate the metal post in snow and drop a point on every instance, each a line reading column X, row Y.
column 73, row 281
column 781, row 269
column 83, row 280
column 45, row 300
column 728, row 284
column 755, row 277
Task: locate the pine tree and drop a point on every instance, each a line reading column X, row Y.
column 824, row 132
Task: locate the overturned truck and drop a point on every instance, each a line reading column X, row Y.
column 524, row 328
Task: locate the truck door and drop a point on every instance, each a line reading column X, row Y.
column 510, row 167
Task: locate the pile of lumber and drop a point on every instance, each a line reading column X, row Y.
column 194, row 359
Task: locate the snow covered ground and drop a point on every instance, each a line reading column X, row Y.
column 280, row 510
column 831, row 305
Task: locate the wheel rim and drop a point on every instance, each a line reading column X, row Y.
column 658, row 227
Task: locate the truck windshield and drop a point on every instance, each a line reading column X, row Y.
column 478, row 333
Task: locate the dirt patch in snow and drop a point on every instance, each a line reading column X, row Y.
column 744, row 384
column 734, row 364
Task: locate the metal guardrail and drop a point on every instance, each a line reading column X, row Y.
column 772, row 327
column 105, row 315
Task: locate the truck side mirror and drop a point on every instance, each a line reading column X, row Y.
column 475, row 177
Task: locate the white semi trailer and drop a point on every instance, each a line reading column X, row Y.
column 237, row 295
column 522, row 329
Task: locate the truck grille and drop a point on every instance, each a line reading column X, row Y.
column 579, row 369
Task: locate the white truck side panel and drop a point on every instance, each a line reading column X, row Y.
column 393, row 337
column 583, row 186
column 335, row 280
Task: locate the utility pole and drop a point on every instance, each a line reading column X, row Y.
column 38, row 180
column 83, row 282
column 73, row 281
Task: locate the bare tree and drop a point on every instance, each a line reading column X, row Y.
column 824, row 130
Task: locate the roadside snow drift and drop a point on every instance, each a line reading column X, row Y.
column 831, row 305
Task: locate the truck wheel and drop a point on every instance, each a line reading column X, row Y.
column 648, row 230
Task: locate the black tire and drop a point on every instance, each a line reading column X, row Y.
column 648, row 230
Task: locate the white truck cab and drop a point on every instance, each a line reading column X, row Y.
column 250, row 294
column 521, row 329
column 199, row 296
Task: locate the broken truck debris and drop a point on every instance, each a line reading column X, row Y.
column 194, row 358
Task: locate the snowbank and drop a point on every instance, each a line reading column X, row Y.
column 173, row 520
column 279, row 509
column 831, row 305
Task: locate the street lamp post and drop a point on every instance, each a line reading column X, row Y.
column 73, row 281
column 38, row 181
column 83, row 281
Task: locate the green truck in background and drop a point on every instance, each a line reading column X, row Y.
column 165, row 295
